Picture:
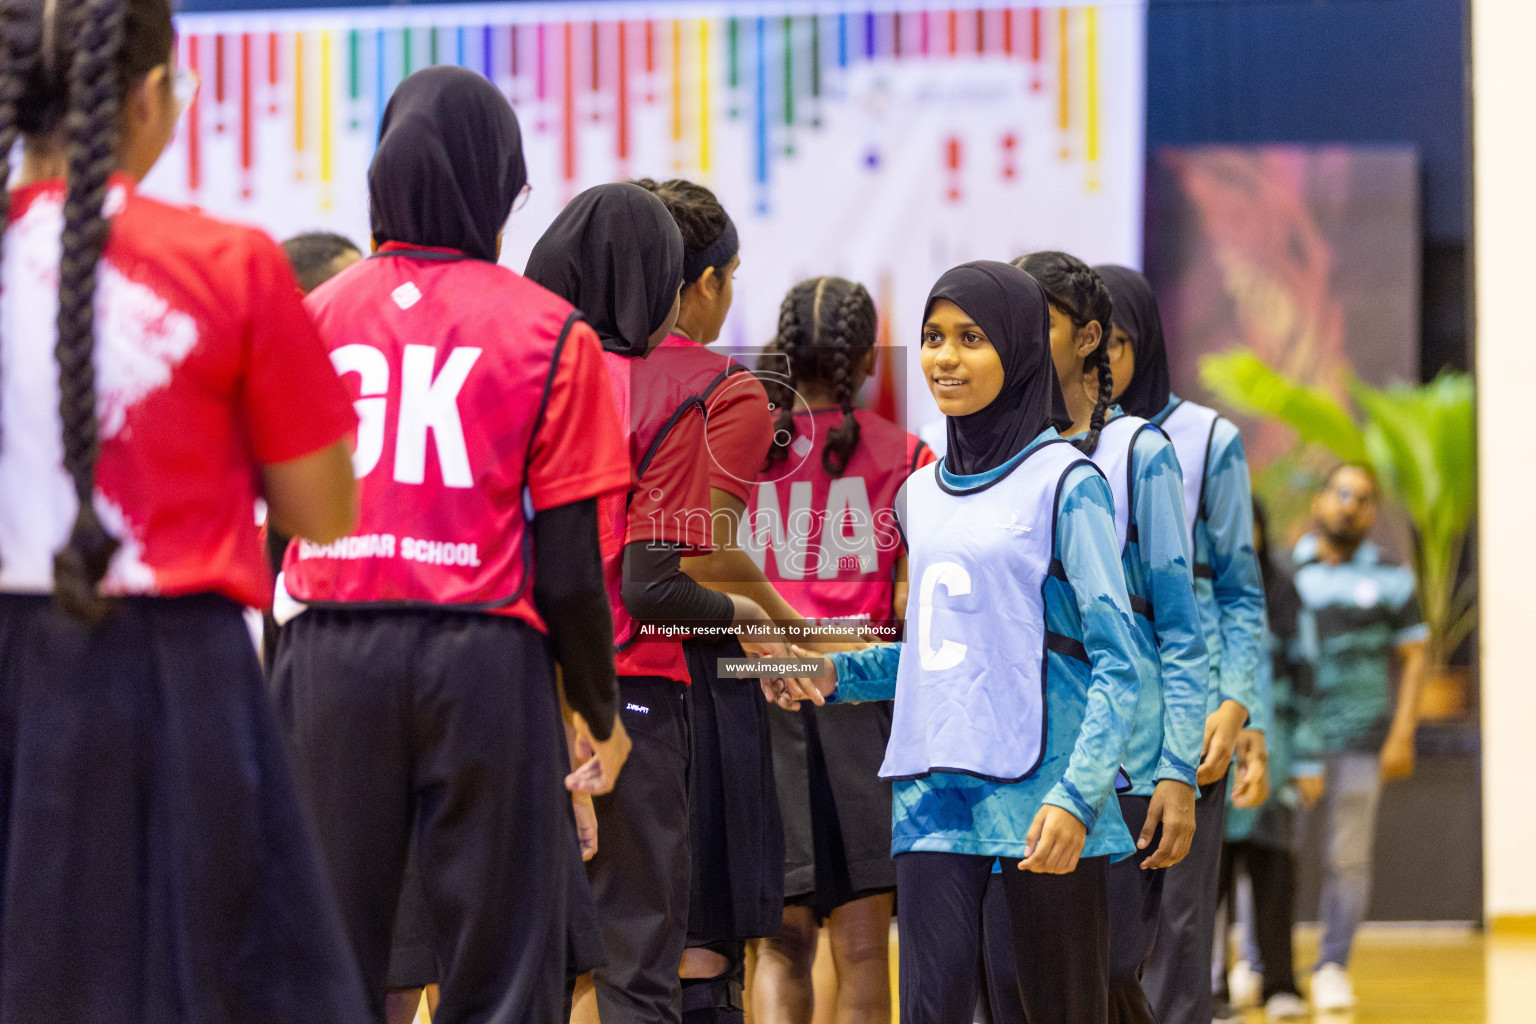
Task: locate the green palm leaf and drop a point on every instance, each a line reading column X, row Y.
column 1243, row 381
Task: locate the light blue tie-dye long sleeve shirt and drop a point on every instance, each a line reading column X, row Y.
column 1090, row 706
column 1231, row 599
column 1171, row 653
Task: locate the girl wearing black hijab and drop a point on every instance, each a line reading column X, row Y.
column 1229, row 594
column 1014, row 689
column 616, row 253
column 419, row 684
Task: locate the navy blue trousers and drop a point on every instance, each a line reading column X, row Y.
column 1178, row 973
column 1135, row 897
column 1058, row 924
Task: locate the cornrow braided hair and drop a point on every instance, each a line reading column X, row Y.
column 781, row 393
column 1078, row 291
column 842, row 317
column 781, row 396
column 96, row 32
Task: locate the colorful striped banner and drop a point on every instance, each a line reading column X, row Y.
column 869, row 36
column 881, row 140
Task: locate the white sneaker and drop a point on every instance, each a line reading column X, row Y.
column 1285, row 1006
column 1331, row 989
column 1245, row 985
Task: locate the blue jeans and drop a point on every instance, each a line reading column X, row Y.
column 1352, row 791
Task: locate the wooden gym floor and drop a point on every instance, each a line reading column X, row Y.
column 1416, row 976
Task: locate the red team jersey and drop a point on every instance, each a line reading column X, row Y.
column 664, row 430
column 206, row 368
column 830, row 544
column 738, row 423
column 476, row 390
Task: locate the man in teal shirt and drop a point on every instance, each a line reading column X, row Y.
column 1358, row 612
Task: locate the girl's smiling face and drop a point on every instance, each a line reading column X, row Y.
column 964, row 371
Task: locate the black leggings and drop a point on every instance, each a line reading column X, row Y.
column 1060, row 926
column 1273, row 874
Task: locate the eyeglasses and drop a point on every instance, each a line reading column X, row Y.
column 184, row 86
column 1347, row 494
column 522, row 198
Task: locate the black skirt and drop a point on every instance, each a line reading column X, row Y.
column 738, row 838
column 835, row 806
column 158, row 864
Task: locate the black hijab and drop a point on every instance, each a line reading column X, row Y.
column 1013, row 311
column 614, row 253
column 449, row 164
column 1136, row 313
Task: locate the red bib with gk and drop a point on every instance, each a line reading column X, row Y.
column 451, row 392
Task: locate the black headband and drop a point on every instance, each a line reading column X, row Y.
column 716, row 254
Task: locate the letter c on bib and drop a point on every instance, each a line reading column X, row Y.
column 956, row 583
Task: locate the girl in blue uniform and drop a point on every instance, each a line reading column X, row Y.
column 1016, row 688
column 1230, row 596
column 1157, row 787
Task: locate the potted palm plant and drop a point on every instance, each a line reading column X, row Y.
column 1419, row 440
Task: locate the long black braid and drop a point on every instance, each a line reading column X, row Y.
column 1077, row 290
column 20, row 47
column 841, row 317
column 96, row 32
column 70, row 65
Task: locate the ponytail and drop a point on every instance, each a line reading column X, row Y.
column 842, row 329
column 96, row 30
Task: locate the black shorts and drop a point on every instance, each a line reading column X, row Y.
column 640, row 875
column 836, row 808
column 737, row 835
column 441, row 727
column 413, row 958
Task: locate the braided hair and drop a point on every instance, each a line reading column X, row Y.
column 99, row 50
column 699, row 215
column 1076, row 289
column 826, row 326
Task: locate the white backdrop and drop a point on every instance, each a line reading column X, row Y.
column 883, row 142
